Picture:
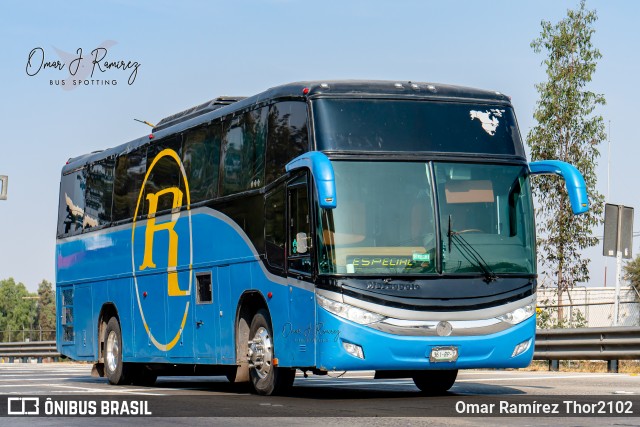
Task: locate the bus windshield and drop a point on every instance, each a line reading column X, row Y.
column 381, row 125
column 385, row 221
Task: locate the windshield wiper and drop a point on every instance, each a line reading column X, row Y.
column 470, row 254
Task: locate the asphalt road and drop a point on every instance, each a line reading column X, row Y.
column 353, row 399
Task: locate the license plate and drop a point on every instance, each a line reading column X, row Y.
column 444, row 354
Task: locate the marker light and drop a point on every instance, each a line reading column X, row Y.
column 349, row 312
column 518, row 315
column 305, row 91
column 151, row 136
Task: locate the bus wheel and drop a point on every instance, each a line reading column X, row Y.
column 266, row 378
column 114, row 369
column 435, row 382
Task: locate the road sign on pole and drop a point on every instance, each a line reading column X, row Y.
column 4, row 180
column 618, row 240
column 618, row 231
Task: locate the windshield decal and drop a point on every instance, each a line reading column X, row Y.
column 489, row 119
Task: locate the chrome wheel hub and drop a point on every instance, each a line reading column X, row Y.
column 113, row 351
column 261, row 352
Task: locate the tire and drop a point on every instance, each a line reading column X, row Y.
column 115, row 370
column 435, row 382
column 266, row 379
column 142, row 375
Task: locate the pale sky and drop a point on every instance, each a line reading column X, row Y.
column 192, row 51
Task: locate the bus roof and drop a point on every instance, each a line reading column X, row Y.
column 222, row 106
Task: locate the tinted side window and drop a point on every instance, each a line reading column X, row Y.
column 130, row 171
column 287, row 136
column 99, row 193
column 201, row 158
column 243, row 152
column 256, row 129
column 232, row 157
column 165, row 173
column 71, row 208
column 275, row 227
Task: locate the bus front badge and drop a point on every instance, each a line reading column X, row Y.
column 444, row 329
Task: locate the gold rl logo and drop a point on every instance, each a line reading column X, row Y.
column 152, row 227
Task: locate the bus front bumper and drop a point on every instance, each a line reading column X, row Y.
column 345, row 345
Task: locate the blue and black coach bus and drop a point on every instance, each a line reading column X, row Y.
column 341, row 225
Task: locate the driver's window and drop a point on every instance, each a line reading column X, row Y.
column 299, row 236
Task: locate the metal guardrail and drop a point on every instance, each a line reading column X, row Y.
column 24, row 335
column 9, row 351
column 610, row 344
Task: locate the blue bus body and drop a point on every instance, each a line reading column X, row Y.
column 186, row 273
column 309, row 336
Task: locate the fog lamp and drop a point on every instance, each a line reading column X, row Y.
column 353, row 349
column 521, row 348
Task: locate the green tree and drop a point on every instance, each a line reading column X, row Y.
column 632, row 272
column 17, row 308
column 46, row 306
column 567, row 129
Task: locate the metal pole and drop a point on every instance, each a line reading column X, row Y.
column 616, row 307
column 608, row 199
column 608, row 161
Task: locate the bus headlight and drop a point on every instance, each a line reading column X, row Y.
column 349, row 312
column 518, row 315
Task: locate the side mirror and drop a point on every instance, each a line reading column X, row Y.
column 322, row 171
column 576, row 188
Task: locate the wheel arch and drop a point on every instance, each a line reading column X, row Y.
column 107, row 311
